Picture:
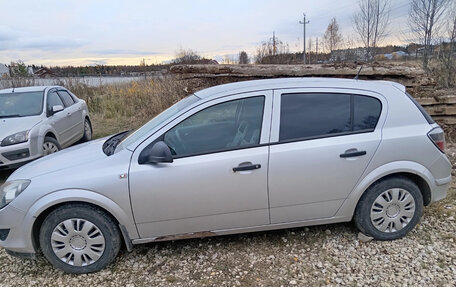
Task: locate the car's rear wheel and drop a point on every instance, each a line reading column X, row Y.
column 50, row 145
column 79, row 238
column 389, row 209
column 87, row 131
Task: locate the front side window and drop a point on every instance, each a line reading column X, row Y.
column 53, row 99
column 313, row 115
column 224, row 126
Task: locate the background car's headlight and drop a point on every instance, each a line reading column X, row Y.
column 15, row 138
column 11, row 189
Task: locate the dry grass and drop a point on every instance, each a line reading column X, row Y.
column 125, row 106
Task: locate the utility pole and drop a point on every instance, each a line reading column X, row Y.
column 274, row 49
column 316, row 51
column 304, row 23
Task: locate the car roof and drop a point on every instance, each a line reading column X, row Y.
column 27, row 89
column 287, row 83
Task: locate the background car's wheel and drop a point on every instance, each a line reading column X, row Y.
column 389, row 209
column 78, row 238
column 50, row 145
column 87, row 131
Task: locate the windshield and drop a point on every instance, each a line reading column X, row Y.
column 21, row 104
column 160, row 118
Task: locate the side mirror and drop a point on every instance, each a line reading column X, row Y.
column 56, row 109
column 159, row 152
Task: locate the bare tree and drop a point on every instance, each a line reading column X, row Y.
column 332, row 37
column 271, row 52
column 445, row 69
column 184, row 57
column 243, row 58
column 371, row 23
column 424, row 18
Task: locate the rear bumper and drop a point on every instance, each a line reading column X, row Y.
column 440, row 189
column 441, row 172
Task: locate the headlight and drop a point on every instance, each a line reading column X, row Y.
column 10, row 190
column 15, row 138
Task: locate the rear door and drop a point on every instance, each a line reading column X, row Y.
column 73, row 116
column 321, row 142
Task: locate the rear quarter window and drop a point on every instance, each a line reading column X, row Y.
column 428, row 118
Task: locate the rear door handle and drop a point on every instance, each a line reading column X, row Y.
column 353, row 154
column 246, row 167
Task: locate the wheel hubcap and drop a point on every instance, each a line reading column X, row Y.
column 77, row 242
column 392, row 210
column 49, row 148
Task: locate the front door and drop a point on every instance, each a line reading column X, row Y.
column 218, row 179
column 322, row 143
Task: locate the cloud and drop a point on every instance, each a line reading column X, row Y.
column 6, row 34
column 49, row 43
column 123, row 52
column 11, row 40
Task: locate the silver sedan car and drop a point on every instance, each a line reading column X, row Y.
column 242, row 157
column 37, row 121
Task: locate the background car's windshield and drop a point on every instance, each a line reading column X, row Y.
column 21, row 104
column 160, row 118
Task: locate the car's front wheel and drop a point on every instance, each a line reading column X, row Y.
column 50, row 145
column 389, row 209
column 78, row 238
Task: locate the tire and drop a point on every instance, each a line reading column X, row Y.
column 87, row 131
column 50, row 146
column 66, row 233
column 389, row 209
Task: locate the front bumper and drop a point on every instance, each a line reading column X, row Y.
column 18, row 239
column 15, row 155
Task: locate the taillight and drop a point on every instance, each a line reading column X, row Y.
column 437, row 136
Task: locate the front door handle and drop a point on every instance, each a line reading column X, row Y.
column 353, row 153
column 246, row 167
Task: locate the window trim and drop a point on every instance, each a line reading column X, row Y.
column 352, row 114
column 161, row 137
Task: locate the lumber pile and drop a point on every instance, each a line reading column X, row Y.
column 409, row 75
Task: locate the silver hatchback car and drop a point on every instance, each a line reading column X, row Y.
column 242, row 157
column 37, row 121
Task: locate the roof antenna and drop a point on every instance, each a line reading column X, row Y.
column 359, row 71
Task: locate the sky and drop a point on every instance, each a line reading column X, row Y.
column 91, row 32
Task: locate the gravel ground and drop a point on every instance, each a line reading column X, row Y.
column 315, row 256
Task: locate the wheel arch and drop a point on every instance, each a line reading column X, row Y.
column 43, row 207
column 415, row 172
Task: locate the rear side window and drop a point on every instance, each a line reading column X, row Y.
column 305, row 116
column 67, row 98
column 311, row 115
